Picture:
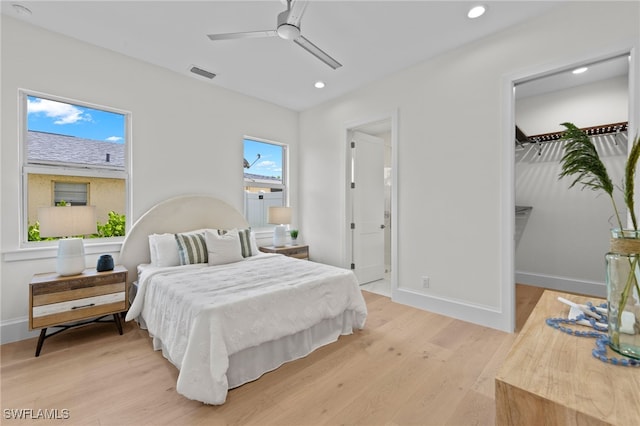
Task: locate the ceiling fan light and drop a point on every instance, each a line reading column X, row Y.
column 288, row 31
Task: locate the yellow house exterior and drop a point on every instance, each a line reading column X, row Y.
column 106, row 194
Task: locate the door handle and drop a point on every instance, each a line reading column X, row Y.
column 382, row 226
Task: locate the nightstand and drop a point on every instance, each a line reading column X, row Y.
column 70, row 301
column 298, row 251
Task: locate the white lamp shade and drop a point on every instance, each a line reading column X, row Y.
column 67, row 221
column 279, row 215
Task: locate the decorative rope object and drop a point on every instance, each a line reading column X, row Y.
column 600, row 351
column 626, row 246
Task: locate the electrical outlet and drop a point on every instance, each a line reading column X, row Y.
column 425, row 282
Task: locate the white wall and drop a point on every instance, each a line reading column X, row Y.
column 566, row 236
column 451, row 116
column 187, row 136
column 602, row 102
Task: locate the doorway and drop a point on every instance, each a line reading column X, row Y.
column 370, row 203
column 518, row 246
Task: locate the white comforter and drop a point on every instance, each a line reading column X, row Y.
column 200, row 315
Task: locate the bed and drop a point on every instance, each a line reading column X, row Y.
column 229, row 320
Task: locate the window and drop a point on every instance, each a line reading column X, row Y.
column 73, row 153
column 71, row 193
column 265, row 179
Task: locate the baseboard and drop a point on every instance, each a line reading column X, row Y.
column 487, row 316
column 589, row 288
column 15, row 330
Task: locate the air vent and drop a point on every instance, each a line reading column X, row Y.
column 202, row 73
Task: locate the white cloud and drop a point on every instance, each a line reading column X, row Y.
column 61, row 112
column 266, row 164
column 114, row 138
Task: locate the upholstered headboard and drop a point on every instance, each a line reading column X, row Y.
column 179, row 214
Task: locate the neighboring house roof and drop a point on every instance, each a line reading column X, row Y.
column 261, row 179
column 51, row 148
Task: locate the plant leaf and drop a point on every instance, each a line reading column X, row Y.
column 629, row 177
column 581, row 160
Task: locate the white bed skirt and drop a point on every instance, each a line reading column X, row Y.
column 251, row 363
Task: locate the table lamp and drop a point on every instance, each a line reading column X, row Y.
column 280, row 216
column 69, row 222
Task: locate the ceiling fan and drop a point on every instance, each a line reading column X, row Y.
column 288, row 28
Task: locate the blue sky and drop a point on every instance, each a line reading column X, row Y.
column 44, row 115
column 270, row 161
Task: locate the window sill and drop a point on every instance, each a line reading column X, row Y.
column 36, row 252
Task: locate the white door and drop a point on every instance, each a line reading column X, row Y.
column 367, row 207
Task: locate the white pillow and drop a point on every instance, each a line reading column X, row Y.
column 164, row 250
column 223, row 248
column 254, row 245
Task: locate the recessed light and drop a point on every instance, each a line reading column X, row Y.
column 319, row 84
column 21, row 10
column 476, row 11
column 579, row 70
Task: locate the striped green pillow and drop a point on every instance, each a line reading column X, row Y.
column 192, row 248
column 245, row 242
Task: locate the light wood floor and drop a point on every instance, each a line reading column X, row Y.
column 407, row 367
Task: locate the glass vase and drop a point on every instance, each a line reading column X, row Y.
column 623, row 292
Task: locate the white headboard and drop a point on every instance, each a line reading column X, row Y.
column 179, row 214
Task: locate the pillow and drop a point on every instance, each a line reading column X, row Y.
column 192, row 248
column 248, row 244
column 164, row 250
column 223, row 247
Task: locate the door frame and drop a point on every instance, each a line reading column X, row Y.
column 392, row 117
column 507, row 208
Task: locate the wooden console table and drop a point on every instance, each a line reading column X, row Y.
column 551, row 378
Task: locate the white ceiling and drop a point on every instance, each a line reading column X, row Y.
column 564, row 78
column 371, row 39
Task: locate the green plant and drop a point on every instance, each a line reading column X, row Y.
column 114, row 227
column 33, row 233
column 294, row 233
column 582, row 161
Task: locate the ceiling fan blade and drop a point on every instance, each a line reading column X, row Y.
column 296, row 11
column 317, row 52
column 251, row 34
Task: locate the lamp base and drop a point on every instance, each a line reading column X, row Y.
column 70, row 259
column 279, row 236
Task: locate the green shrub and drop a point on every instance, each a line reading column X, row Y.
column 115, row 226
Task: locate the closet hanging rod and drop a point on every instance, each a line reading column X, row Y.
column 603, row 129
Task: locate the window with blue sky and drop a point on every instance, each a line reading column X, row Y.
column 264, row 179
column 75, row 153
column 262, row 158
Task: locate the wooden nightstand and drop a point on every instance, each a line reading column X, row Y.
column 55, row 301
column 297, row 251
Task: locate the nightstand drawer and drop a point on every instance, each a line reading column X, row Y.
column 47, row 284
column 77, row 309
column 47, row 297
